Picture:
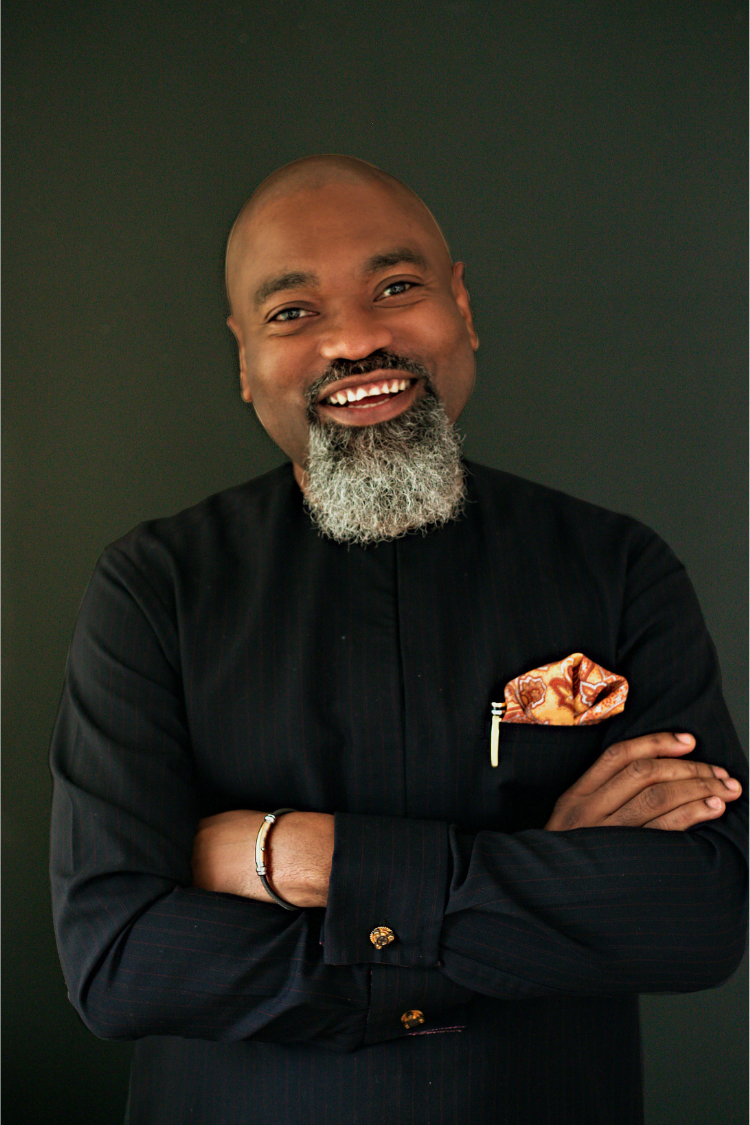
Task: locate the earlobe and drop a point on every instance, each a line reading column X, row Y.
column 461, row 297
column 245, row 392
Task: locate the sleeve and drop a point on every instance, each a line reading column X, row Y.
column 143, row 952
column 594, row 911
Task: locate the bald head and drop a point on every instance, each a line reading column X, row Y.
column 311, row 175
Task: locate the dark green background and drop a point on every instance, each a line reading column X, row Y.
column 587, row 161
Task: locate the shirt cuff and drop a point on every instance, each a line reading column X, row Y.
column 395, row 993
column 391, row 873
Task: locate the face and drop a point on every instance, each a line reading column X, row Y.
column 327, row 277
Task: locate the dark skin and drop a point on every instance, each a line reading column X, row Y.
column 315, row 230
column 341, row 270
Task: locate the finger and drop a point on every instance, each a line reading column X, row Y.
column 664, row 797
column 642, row 773
column 686, row 816
column 617, row 756
column 638, row 776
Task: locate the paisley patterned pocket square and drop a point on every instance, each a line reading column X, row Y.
column 573, row 692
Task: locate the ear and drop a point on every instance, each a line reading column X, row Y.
column 245, row 391
column 461, row 297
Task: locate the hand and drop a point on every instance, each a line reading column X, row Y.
column 641, row 783
column 298, row 855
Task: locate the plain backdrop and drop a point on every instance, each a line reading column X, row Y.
column 586, row 159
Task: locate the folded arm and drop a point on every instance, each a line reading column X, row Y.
column 597, row 903
column 581, row 906
column 144, row 952
column 594, row 909
column 636, row 784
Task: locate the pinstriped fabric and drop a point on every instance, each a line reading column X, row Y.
column 230, row 657
column 539, row 1062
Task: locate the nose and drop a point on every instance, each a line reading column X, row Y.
column 354, row 334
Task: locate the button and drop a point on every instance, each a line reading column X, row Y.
column 412, row 1018
column 382, row 936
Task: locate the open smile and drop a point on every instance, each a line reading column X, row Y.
column 369, row 401
column 375, row 392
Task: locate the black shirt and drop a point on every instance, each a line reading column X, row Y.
column 231, row 657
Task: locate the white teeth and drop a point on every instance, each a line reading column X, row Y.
column 354, row 394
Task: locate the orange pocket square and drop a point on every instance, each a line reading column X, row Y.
column 573, row 692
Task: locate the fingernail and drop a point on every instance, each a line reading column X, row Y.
column 732, row 784
column 684, row 737
column 719, row 771
column 714, row 802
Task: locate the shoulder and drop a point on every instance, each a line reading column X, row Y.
column 516, row 494
column 536, row 518
column 201, row 543
column 237, row 514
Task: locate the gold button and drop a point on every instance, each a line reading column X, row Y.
column 382, row 936
column 412, row 1018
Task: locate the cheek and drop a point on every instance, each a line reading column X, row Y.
column 278, row 401
column 270, row 384
column 455, row 371
column 278, row 409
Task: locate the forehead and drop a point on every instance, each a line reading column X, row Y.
column 340, row 225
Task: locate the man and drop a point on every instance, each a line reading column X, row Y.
column 465, row 933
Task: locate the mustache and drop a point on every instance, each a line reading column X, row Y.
column 381, row 360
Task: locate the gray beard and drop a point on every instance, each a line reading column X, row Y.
column 369, row 484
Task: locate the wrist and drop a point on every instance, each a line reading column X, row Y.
column 300, row 856
column 263, row 857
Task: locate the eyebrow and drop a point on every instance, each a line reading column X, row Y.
column 394, row 258
column 292, row 279
column 295, row 279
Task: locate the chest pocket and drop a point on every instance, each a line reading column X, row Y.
column 536, row 765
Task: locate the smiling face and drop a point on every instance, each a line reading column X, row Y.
column 326, row 275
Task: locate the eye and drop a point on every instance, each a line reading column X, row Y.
column 285, row 315
column 396, row 288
